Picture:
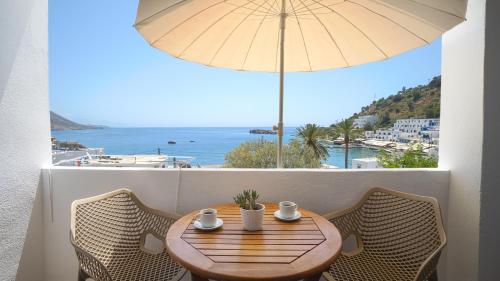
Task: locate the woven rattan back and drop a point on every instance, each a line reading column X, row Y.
column 111, row 226
column 402, row 230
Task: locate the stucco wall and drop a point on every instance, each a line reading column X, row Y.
column 461, row 138
column 319, row 190
column 489, row 242
column 24, row 121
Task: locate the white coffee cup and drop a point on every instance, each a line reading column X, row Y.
column 207, row 217
column 287, row 209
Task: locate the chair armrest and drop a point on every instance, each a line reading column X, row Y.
column 429, row 266
column 90, row 264
column 158, row 222
column 346, row 221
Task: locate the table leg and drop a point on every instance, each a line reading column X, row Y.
column 315, row 277
column 195, row 277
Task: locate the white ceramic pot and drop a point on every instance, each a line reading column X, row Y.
column 252, row 219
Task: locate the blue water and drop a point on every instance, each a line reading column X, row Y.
column 209, row 146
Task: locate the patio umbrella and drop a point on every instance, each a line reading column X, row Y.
column 293, row 35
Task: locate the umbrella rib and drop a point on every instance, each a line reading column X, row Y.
column 158, row 13
column 413, row 1
column 407, row 14
column 378, row 2
column 364, row 34
column 236, row 27
column 210, row 26
column 259, row 6
column 271, row 7
column 302, row 35
column 392, row 21
column 277, row 9
column 253, row 39
column 329, row 34
column 437, row 9
column 186, row 20
column 305, row 7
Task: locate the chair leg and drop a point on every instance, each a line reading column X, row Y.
column 82, row 276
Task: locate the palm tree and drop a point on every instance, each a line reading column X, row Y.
column 347, row 129
column 310, row 136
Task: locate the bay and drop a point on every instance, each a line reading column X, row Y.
column 207, row 145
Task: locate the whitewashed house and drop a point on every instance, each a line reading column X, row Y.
column 414, row 125
column 430, row 135
column 369, row 134
column 404, row 137
column 365, row 163
column 361, row 121
column 411, row 129
column 386, row 134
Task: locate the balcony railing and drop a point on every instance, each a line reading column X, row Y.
column 184, row 190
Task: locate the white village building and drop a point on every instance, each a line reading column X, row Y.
column 361, row 121
column 388, row 134
column 366, row 163
column 409, row 130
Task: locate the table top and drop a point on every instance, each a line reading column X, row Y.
column 280, row 251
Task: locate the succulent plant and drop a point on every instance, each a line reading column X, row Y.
column 247, row 200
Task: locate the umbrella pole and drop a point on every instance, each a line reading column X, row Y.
column 282, row 82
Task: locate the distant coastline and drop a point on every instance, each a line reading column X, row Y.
column 59, row 123
column 262, row 132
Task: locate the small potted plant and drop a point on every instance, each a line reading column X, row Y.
column 252, row 213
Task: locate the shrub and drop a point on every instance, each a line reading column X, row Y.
column 368, row 127
column 414, row 157
column 384, row 119
column 262, row 153
column 397, row 98
column 417, row 96
column 432, row 111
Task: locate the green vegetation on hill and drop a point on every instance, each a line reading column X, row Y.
column 422, row 101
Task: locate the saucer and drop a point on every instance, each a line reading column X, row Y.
column 197, row 225
column 296, row 216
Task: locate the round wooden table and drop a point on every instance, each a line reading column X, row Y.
column 281, row 251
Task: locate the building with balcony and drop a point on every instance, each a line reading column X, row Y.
column 408, row 131
column 36, row 196
column 415, row 125
column 386, row 134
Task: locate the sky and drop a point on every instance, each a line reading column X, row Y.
column 101, row 71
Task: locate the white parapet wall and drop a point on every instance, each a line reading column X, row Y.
column 24, row 132
column 461, row 138
column 185, row 190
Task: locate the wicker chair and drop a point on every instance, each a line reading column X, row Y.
column 399, row 237
column 108, row 233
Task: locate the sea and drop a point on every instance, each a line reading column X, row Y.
column 207, row 145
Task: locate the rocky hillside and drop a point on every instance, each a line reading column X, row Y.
column 419, row 102
column 59, row 123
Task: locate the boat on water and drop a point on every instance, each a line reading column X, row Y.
column 172, row 142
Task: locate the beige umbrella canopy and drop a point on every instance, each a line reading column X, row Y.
column 293, row 35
